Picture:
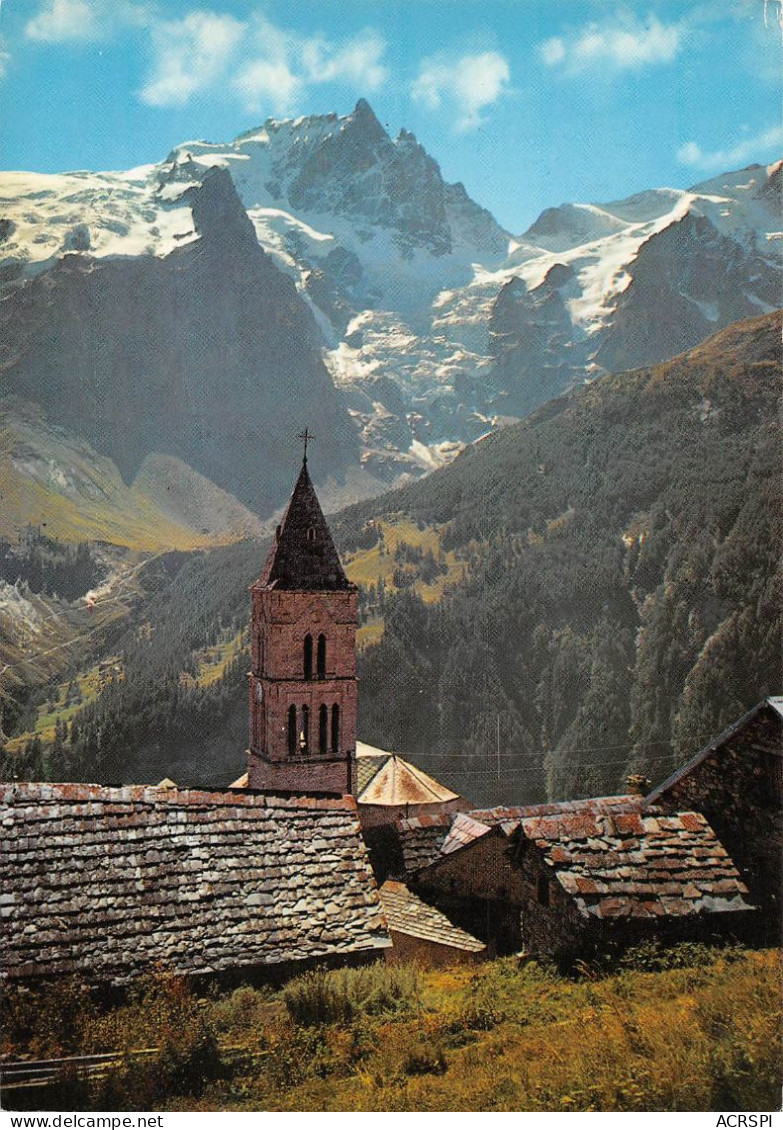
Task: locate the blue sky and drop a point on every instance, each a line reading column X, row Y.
column 528, row 102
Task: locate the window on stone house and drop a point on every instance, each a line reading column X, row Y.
column 323, row 728
column 311, row 533
column 321, row 659
column 542, row 890
column 308, row 656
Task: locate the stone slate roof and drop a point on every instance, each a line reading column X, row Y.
column 408, row 914
column 470, row 826
column 628, row 859
column 421, row 838
column 303, row 556
column 106, row 882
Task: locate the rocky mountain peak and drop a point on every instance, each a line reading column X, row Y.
column 363, row 118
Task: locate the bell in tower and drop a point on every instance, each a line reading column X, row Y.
column 303, row 688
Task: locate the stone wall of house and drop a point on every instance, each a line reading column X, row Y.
column 549, row 923
column 407, row 948
column 481, row 890
column 738, row 786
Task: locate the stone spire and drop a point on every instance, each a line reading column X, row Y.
column 303, row 557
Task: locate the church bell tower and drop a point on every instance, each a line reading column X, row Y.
column 303, row 688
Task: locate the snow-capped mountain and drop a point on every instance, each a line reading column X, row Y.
column 368, row 275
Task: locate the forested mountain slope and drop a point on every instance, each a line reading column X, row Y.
column 623, row 598
column 594, row 590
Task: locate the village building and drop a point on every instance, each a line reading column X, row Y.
column 303, row 687
column 422, row 933
column 105, row 883
column 577, row 878
column 736, row 781
column 281, row 869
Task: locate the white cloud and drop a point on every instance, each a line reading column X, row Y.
column 268, row 67
column 58, row 21
column 469, row 84
column 267, row 82
column 358, row 61
column 281, row 65
column 721, row 160
column 62, row 19
column 624, row 43
column 553, row 51
column 190, row 55
column 5, row 56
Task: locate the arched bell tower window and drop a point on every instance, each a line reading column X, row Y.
column 308, row 656
column 311, row 533
column 335, row 728
column 323, row 729
column 292, row 731
column 304, row 733
column 321, row 661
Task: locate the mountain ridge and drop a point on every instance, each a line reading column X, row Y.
column 405, row 283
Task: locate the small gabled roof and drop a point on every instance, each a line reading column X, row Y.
column 469, row 826
column 615, row 857
column 408, row 914
column 303, row 557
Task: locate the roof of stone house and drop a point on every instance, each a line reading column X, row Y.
column 773, row 707
column 105, row 882
column 631, row 860
column 421, row 838
column 303, row 556
column 469, row 826
column 408, row 914
column 387, row 779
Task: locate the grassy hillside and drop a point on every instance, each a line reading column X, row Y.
column 57, row 481
column 679, row 1030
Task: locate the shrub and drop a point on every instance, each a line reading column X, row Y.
column 183, row 1064
column 336, row 996
column 654, row 957
column 243, row 1010
column 426, row 1059
column 47, row 1022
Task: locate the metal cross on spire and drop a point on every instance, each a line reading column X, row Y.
column 305, row 436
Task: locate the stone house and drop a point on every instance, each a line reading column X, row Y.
column 581, row 877
column 422, row 933
column 737, row 783
column 105, row 883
